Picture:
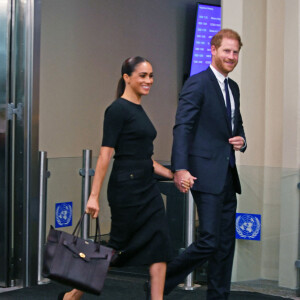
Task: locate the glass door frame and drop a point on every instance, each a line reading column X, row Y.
column 5, row 234
column 20, row 199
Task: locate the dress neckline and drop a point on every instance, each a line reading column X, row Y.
column 131, row 102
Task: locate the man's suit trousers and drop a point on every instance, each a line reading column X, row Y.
column 215, row 242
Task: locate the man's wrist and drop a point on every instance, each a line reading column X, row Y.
column 245, row 144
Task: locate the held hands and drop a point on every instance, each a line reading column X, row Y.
column 183, row 180
column 237, row 142
column 92, row 207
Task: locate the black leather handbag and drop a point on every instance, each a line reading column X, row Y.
column 79, row 263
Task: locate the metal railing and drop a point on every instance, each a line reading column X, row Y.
column 297, row 262
column 86, row 172
column 44, row 175
column 190, row 237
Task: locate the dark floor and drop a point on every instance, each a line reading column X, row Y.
column 118, row 287
column 264, row 286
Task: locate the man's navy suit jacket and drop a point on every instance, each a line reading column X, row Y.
column 202, row 130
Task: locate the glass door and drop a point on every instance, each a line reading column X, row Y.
column 19, row 174
column 5, row 229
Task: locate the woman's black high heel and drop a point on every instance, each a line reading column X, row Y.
column 147, row 289
column 61, row 295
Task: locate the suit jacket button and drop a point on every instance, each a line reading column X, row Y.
column 131, row 176
column 227, row 158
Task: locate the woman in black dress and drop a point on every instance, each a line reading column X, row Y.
column 139, row 230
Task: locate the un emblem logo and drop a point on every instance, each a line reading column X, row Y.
column 63, row 214
column 248, row 226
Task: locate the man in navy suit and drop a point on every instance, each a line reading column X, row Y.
column 207, row 132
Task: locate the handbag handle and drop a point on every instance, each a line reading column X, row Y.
column 78, row 227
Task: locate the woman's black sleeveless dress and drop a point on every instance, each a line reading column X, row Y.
column 139, row 229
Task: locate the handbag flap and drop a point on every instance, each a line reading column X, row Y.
column 86, row 249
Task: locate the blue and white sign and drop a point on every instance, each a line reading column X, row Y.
column 63, row 214
column 248, row 226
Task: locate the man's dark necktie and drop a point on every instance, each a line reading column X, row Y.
column 228, row 107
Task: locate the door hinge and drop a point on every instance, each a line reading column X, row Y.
column 12, row 110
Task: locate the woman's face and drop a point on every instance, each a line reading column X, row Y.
column 141, row 79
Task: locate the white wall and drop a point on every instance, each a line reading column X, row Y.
column 269, row 80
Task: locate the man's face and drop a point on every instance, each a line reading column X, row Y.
column 226, row 57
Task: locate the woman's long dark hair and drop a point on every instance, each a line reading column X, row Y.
column 128, row 67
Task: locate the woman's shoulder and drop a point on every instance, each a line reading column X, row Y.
column 115, row 105
column 117, row 108
column 120, row 103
